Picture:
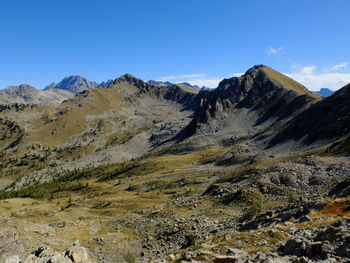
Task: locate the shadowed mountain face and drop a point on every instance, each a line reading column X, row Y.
column 175, row 92
column 256, row 100
column 326, row 120
column 75, row 84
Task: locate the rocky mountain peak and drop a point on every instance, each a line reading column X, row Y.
column 259, row 81
column 22, row 87
column 75, row 84
column 128, row 78
column 25, row 87
column 260, row 97
column 255, row 69
column 324, row 92
column 24, row 90
column 27, row 94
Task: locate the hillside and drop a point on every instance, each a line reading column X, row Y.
column 249, row 104
column 256, row 170
column 97, row 126
column 130, row 118
column 327, row 121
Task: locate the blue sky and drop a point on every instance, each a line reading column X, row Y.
column 201, row 41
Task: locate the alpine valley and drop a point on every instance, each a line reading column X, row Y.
column 256, row 170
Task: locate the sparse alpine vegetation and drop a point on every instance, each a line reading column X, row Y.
column 255, row 170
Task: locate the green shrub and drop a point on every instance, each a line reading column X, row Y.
column 256, row 202
column 292, row 198
column 190, row 241
column 129, row 258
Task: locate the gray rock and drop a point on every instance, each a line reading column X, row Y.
column 236, row 252
column 78, row 254
column 290, row 246
column 31, row 259
column 9, row 242
column 60, row 258
column 12, row 259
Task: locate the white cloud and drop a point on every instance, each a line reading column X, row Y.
column 304, row 70
column 308, row 75
column 209, row 83
column 184, row 76
column 308, row 70
column 198, row 79
column 314, row 81
column 337, row 67
column 273, row 51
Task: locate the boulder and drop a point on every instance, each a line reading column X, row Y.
column 60, row 258
column 290, row 246
column 12, row 259
column 78, row 254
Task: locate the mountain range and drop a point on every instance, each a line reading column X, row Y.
column 167, row 170
column 53, row 94
column 131, row 117
column 56, row 93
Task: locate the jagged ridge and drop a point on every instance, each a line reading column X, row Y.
column 260, row 96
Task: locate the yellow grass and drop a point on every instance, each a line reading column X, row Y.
column 289, row 83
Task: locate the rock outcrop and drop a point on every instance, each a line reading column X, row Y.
column 248, row 104
column 75, row 254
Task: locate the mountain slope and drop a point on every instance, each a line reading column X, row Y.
column 103, row 168
column 245, row 105
column 97, row 126
column 327, row 120
column 131, row 117
column 28, row 95
column 174, row 92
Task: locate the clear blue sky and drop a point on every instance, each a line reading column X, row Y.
column 45, row 40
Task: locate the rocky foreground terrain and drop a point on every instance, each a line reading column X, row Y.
column 256, row 170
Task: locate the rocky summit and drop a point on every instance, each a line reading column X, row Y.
column 75, row 84
column 255, row 170
column 25, row 94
